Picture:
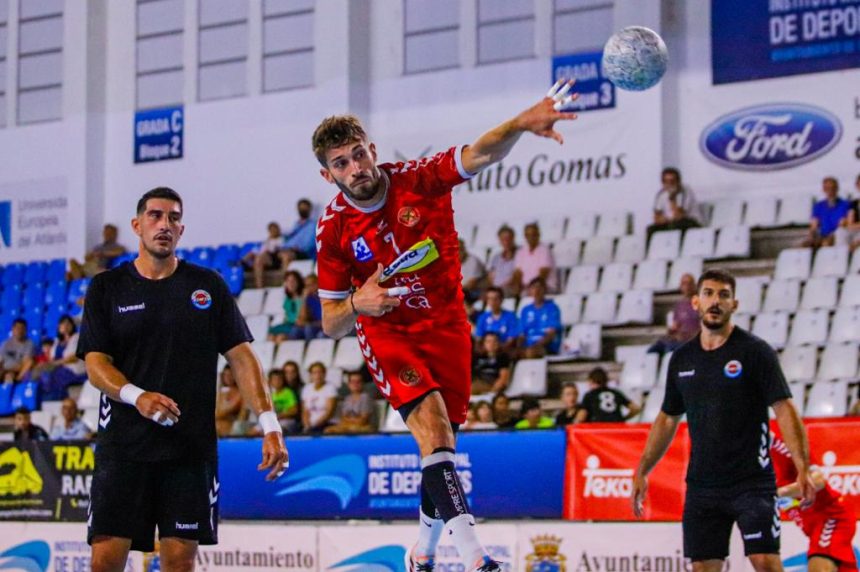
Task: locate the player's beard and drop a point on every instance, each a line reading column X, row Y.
column 364, row 191
column 715, row 322
column 156, row 250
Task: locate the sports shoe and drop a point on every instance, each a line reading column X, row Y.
column 487, row 564
column 419, row 563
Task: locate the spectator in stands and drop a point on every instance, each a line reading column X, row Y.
column 100, row 257
column 285, row 400
column 300, row 242
column 228, row 405
column 827, row 215
column 532, row 416
column 25, row 431
column 473, row 272
column 294, row 286
column 356, row 412
column 44, row 356
column 848, row 234
column 603, row 404
column 675, row 206
column 319, row 400
column 540, row 323
column 503, row 266
column 685, row 319
column 16, row 354
column 71, row 428
column 293, row 376
column 570, row 404
column 854, row 411
column 535, row 260
column 491, row 367
column 498, row 320
column 481, row 417
column 267, row 257
column 309, row 320
column 64, row 367
column 502, row 414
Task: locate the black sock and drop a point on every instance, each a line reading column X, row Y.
column 427, row 506
column 442, row 484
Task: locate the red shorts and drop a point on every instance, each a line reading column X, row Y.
column 831, row 537
column 408, row 365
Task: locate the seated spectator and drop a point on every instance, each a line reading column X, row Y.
column 540, row 324
column 603, row 404
column 827, row 215
column 535, row 260
column 300, row 242
column 848, row 234
column 570, row 402
column 309, row 321
column 854, row 410
column 25, row 431
column 294, row 286
column 675, row 206
column 532, row 416
column 685, row 319
column 491, row 367
column 503, row 417
column 473, row 272
column 267, row 257
column 44, row 356
column 64, row 367
column 285, row 400
column 356, row 414
column 498, row 320
column 293, row 377
column 483, row 417
column 319, row 400
column 228, row 405
column 16, row 354
column 503, row 264
column 71, row 428
column 100, row 257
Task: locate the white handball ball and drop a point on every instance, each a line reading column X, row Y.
column 635, row 58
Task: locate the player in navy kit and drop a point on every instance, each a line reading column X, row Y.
column 725, row 379
column 151, row 334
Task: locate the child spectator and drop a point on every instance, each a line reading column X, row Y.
column 570, row 402
column 285, row 400
column 502, row 414
column 356, row 409
column 532, row 416
column 497, row 319
column 483, row 417
column 319, row 400
column 294, row 286
column 491, row 369
column 309, row 321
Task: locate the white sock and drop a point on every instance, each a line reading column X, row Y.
column 429, row 531
column 461, row 530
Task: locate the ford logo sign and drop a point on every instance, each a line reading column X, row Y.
column 768, row 137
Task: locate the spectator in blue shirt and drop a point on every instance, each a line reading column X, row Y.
column 300, row 242
column 498, row 320
column 71, row 428
column 827, row 215
column 540, row 323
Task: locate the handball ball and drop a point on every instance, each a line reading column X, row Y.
column 635, row 58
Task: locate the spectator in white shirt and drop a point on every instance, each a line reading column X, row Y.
column 319, row 400
column 503, row 265
column 71, row 428
column 675, row 206
column 535, row 260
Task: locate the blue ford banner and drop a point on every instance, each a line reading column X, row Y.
column 158, row 134
column 594, row 89
column 757, row 39
column 504, row 475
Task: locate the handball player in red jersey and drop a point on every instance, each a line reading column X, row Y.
column 388, row 265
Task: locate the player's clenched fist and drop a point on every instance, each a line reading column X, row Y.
column 157, row 407
column 374, row 300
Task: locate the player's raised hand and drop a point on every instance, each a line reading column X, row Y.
column 541, row 117
column 375, row 300
column 157, row 407
column 640, row 488
column 275, row 456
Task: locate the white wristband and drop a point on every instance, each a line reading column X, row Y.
column 269, row 422
column 130, row 393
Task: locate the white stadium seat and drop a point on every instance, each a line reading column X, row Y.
column 793, row 263
column 291, row 350
column 850, row 290
column 509, row 304
column 566, row 253
column 772, row 327
column 831, row 261
column 820, row 293
column 616, row 277
column 529, row 378
column 630, row 248
column 651, row 275
column 653, row 405
column 698, row 242
column 89, row 397
column 855, row 262
column 681, row 266
column 636, row 307
column 795, row 210
column 845, row 326
column 799, row 362
column 798, row 395
column 598, row 250
column 583, row 280
column 827, row 399
column 394, row 422
column 626, row 352
column 251, row 301
column 733, row 241
column 748, row 295
column 319, row 350
column 727, row 212
column 581, row 225
column 274, row 303
column 782, row 296
column 303, row 267
column 742, row 321
column 838, row 361
column 665, row 245
column 640, row 374
column 348, row 354
column 265, row 352
column 259, row 326
column 570, row 306
column 584, row 341
column 809, row 327
column 613, row 223
column 600, row 307
column 761, row 212
column 663, row 374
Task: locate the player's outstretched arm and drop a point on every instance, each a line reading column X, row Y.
column 369, row 300
column 249, row 377
column 793, row 490
column 794, row 436
column 495, row 144
column 659, row 438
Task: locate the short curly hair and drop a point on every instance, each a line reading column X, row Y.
column 336, row 131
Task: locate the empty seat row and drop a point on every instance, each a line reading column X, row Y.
column 622, row 276
column 813, row 327
column 797, row 263
column 791, row 295
column 762, row 211
column 801, row 363
column 345, row 355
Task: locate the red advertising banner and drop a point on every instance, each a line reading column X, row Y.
column 601, row 459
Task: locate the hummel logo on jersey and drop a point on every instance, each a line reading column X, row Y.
column 360, row 249
column 132, row 308
column 753, row 536
column 187, row 526
column 688, row 373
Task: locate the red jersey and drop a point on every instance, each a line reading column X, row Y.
column 410, row 232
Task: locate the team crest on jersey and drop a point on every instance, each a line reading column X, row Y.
column 410, row 377
column 361, row 250
column 408, row 216
column 733, row 369
column 201, row 299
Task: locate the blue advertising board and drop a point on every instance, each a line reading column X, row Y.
column 504, row 475
column 158, row 134
column 594, row 89
column 758, row 39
